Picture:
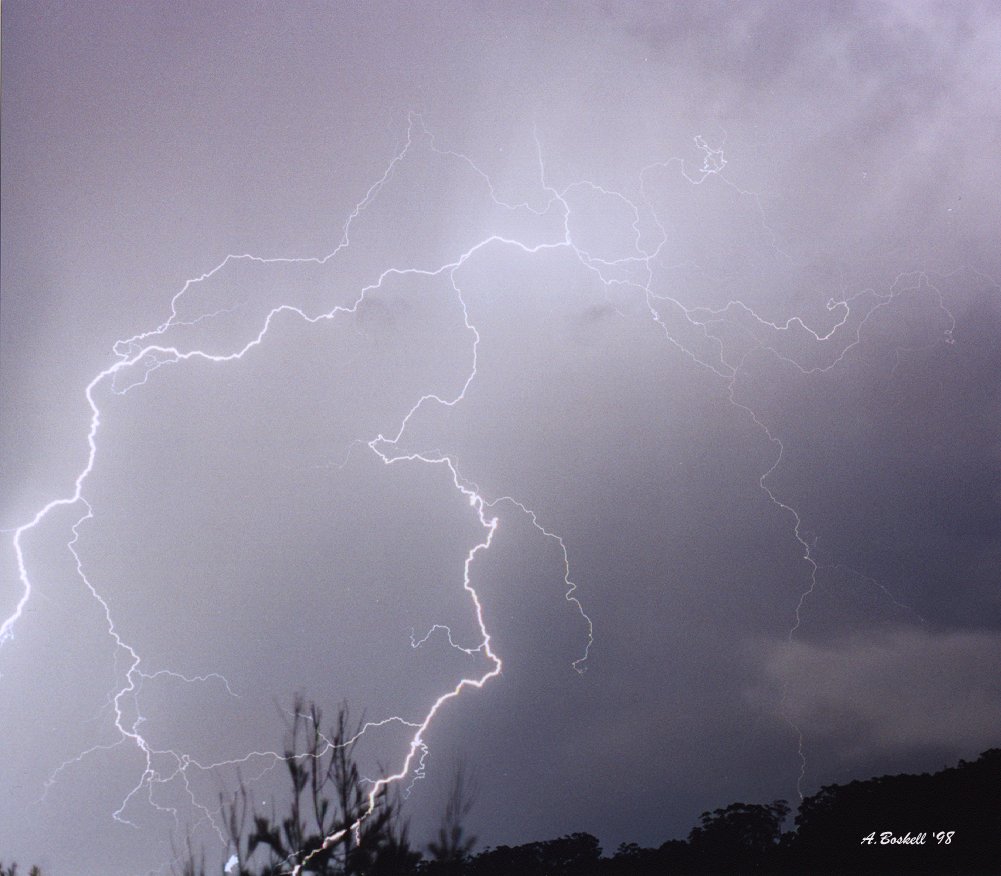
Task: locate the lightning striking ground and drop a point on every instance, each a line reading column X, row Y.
column 139, row 357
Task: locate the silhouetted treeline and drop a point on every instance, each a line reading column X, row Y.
column 952, row 820
column 945, row 822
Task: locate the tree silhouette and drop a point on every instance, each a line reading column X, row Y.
column 328, row 799
column 451, row 848
column 566, row 856
column 740, row 830
column 957, row 810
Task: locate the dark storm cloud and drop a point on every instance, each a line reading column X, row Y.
column 241, row 525
column 893, row 691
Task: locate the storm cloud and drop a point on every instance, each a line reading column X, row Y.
column 699, row 302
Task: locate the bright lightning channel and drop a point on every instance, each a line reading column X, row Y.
column 139, row 356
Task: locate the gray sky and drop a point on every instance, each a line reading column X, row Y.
column 705, row 295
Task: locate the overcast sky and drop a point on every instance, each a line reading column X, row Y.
column 700, row 299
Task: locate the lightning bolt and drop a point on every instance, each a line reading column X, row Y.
column 137, row 358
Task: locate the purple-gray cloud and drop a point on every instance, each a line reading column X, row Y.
column 717, row 233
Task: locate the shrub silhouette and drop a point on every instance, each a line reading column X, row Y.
column 327, row 798
column 830, row 836
column 740, row 830
column 568, row 855
column 450, row 850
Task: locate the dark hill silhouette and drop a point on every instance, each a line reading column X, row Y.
column 965, row 799
column 947, row 822
column 953, row 818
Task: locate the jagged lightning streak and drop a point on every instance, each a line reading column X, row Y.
column 712, row 165
column 139, row 356
column 130, row 352
column 142, row 353
column 729, row 373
